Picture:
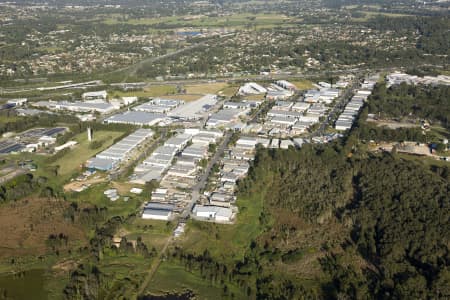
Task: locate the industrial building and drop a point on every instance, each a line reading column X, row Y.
column 109, row 158
column 194, row 110
column 161, row 159
column 215, row 213
column 158, row 211
column 224, row 117
column 245, row 104
column 352, row 109
column 159, row 105
column 136, row 118
column 286, row 85
column 77, row 106
column 251, row 88
column 99, row 95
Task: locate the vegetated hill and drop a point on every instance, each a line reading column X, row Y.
column 401, row 225
column 377, row 225
column 421, row 101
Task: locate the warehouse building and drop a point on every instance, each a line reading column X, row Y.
column 214, row 213
column 224, row 117
column 194, row 110
column 158, row 211
column 136, row 118
column 77, row 106
column 99, row 95
column 110, row 157
column 251, row 88
column 286, row 85
column 159, row 105
column 245, row 104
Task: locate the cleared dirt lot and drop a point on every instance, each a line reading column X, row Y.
column 392, row 124
column 26, row 225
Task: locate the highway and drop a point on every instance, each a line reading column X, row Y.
column 131, row 70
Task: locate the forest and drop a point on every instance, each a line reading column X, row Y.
column 410, row 101
column 396, row 212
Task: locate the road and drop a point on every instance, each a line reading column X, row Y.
column 131, row 70
column 204, row 177
column 194, row 198
column 339, row 106
column 154, row 266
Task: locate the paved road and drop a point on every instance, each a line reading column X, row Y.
column 339, row 106
column 195, row 196
column 131, row 70
column 204, row 177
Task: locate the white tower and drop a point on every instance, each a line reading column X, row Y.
column 89, row 132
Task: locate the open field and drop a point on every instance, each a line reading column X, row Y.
column 303, row 84
column 372, row 14
column 149, row 91
column 75, row 185
column 206, row 88
column 235, row 238
column 174, row 279
column 70, row 162
column 392, row 124
column 234, row 21
column 154, row 233
column 228, row 91
column 30, row 221
column 94, row 196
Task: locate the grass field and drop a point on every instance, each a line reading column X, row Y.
column 94, row 195
column 303, row 84
column 205, row 88
column 235, row 21
column 150, row 91
column 229, row 91
column 235, row 238
column 372, row 14
column 81, row 152
column 174, row 279
column 154, row 233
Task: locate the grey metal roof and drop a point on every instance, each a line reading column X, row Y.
column 157, row 212
column 136, row 117
column 159, row 206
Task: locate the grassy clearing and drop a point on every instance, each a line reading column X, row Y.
column 172, row 278
column 94, row 196
column 236, row 21
column 150, row 91
column 81, row 152
column 425, row 160
column 372, row 14
column 205, row 88
column 229, row 91
column 30, row 221
column 235, row 238
column 154, row 233
column 259, row 97
column 303, row 84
